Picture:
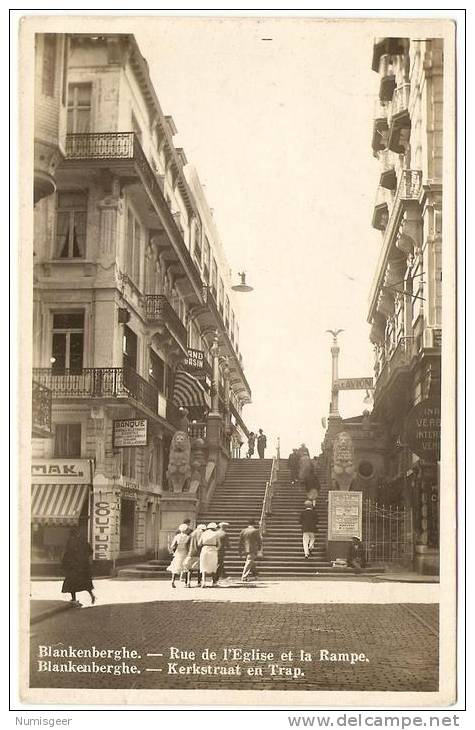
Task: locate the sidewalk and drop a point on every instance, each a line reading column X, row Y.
column 46, row 598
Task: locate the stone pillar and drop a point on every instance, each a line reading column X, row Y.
column 335, row 351
column 110, row 208
column 174, row 508
column 215, row 377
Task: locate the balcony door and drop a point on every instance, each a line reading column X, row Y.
column 67, row 343
column 129, row 348
column 79, row 108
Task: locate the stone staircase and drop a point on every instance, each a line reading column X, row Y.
column 237, row 500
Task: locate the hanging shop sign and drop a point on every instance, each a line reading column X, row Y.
column 61, row 471
column 353, row 384
column 130, row 432
column 423, row 430
column 345, row 512
column 195, row 359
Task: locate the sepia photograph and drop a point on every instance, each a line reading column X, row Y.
column 238, row 299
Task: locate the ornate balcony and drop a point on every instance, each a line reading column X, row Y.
column 384, row 47
column 41, row 411
column 400, row 124
column 381, row 211
column 397, row 362
column 379, row 141
column 386, row 87
column 159, row 313
column 116, row 383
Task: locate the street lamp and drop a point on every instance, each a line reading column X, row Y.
column 243, row 287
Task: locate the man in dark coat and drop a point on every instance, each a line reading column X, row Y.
column 261, row 443
column 308, row 521
column 355, row 557
column 250, row 545
column 293, row 463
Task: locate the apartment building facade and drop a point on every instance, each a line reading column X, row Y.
column 405, row 310
column 134, row 315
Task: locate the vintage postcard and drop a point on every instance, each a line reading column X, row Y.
column 238, row 472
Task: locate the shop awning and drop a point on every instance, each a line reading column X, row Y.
column 188, row 392
column 57, row 504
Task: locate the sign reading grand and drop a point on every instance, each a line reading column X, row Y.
column 130, row 432
column 423, row 430
column 61, row 471
column 345, row 513
column 195, row 359
column 353, row 384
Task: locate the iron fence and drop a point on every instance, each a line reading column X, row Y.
column 387, row 533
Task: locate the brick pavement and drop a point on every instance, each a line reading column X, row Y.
column 400, row 642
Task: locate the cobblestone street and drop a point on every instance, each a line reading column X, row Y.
column 399, row 641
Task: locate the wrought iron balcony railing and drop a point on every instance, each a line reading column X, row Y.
column 41, row 409
column 400, row 100
column 400, row 357
column 158, row 310
column 99, row 383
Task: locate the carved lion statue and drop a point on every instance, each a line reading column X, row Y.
column 343, row 469
column 179, row 471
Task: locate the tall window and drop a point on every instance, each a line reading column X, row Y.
column 48, row 77
column 129, row 348
column 226, row 311
column 71, row 221
column 134, row 243
column 157, row 371
column 79, row 108
column 197, row 244
column 68, row 342
column 214, row 278
column 221, row 296
column 206, row 261
column 136, row 128
column 129, row 462
column 67, row 441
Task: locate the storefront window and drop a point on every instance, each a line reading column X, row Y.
column 127, row 523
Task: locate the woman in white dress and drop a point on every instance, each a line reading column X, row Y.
column 179, row 548
column 209, row 542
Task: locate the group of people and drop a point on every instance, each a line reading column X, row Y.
column 261, row 440
column 203, row 550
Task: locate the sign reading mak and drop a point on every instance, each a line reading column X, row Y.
column 353, row 384
column 61, row 471
column 345, row 512
column 130, row 432
column 423, row 430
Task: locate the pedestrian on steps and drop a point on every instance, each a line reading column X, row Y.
column 308, row 521
column 192, row 560
column 250, row 545
column 261, row 443
column 293, row 464
column 179, row 550
column 223, row 546
column 251, row 442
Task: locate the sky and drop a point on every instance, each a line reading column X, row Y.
column 280, row 134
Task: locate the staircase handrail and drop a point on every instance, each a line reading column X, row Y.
column 267, row 502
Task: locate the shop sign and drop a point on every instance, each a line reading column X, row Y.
column 423, row 430
column 353, row 384
column 129, row 489
column 130, row 432
column 345, row 512
column 61, row 471
column 195, row 359
column 101, row 530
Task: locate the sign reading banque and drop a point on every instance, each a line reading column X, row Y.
column 130, row 432
column 423, row 430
